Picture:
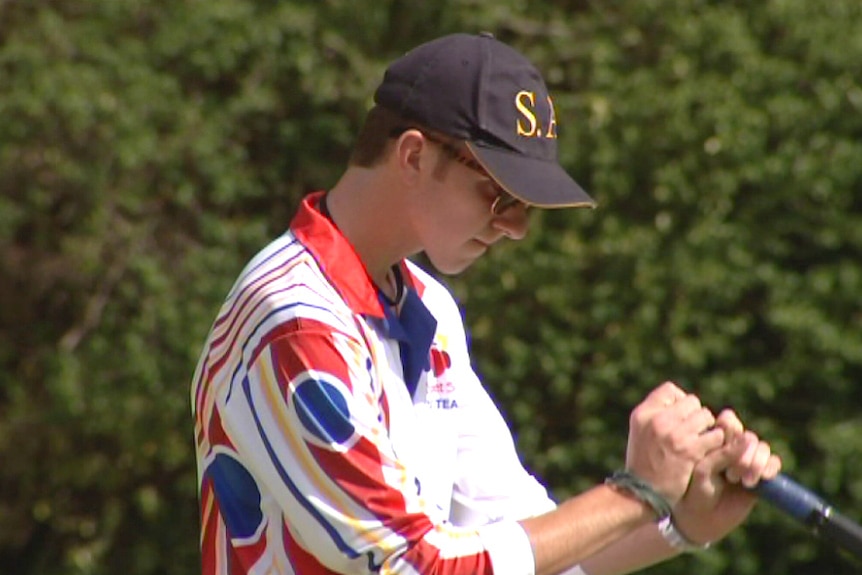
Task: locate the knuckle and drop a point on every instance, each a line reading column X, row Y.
column 728, row 415
column 660, row 425
column 701, row 473
column 693, row 400
column 678, row 443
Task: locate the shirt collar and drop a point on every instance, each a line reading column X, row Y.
column 413, row 328
column 339, row 261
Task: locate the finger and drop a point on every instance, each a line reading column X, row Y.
column 749, row 466
column 725, row 454
column 693, row 436
column 730, row 422
column 773, row 468
column 664, row 395
column 684, row 407
column 699, row 421
column 733, row 430
column 696, row 435
column 711, row 442
column 762, row 454
column 708, row 476
column 697, row 444
column 744, row 447
column 704, row 480
column 708, row 473
column 656, row 401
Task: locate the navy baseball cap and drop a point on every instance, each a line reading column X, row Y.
column 477, row 89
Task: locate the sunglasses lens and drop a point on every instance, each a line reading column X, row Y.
column 503, row 202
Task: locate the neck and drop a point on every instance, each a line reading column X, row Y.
column 365, row 205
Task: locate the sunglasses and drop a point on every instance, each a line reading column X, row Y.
column 504, row 201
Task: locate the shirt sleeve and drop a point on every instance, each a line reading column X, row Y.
column 491, row 484
column 310, row 424
column 509, row 548
column 492, row 490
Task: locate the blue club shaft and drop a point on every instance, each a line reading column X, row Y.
column 812, row 511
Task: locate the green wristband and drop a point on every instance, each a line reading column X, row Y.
column 642, row 490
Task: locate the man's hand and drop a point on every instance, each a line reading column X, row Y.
column 669, row 433
column 717, row 500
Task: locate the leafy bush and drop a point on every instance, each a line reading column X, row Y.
column 148, row 148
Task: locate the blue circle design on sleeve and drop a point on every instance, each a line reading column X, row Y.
column 323, row 410
column 238, row 496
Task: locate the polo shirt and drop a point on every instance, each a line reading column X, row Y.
column 334, row 435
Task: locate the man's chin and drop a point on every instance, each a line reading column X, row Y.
column 449, row 267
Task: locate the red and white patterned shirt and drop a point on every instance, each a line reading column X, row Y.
column 334, row 436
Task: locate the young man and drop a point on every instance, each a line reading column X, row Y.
column 339, row 425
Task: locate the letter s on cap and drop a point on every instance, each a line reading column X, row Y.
column 524, row 102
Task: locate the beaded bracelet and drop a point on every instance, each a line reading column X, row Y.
column 642, row 490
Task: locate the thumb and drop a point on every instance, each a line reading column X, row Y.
column 717, row 462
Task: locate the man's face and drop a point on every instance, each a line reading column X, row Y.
column 457, row 223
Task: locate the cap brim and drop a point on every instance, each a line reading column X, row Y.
column 534, row 181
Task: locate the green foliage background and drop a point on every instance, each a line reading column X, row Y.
column 147, row 148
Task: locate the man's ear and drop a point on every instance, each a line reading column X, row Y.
column 408, row 152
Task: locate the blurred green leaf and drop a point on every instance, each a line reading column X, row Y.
column 147, row 149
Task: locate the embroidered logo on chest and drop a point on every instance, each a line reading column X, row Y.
column 440, row 387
